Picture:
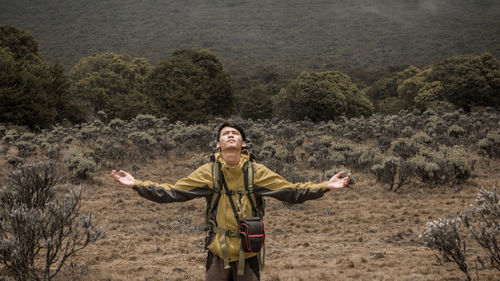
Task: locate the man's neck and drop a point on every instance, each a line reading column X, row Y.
column 232, row 157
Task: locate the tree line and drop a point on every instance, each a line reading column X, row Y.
column 192, row 85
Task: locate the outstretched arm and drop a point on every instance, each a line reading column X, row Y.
column 197, row 184
column 268, row 183
column 336, row 182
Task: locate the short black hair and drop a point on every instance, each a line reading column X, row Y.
column 232, row 125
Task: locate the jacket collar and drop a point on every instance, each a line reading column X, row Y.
column 244, row 157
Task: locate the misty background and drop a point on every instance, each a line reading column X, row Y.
column 285, row 35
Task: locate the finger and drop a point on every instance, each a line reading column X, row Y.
column 347, row 179
column 116, row 176
column 339, row 174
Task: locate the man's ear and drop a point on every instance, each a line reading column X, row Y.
column 217, row 144
column 243, row 144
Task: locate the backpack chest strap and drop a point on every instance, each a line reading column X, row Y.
column 233, row 192
column 233, row 233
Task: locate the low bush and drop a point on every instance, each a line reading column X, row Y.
column 144, row 144
column 444, row 236
column 393, row 171
column 450, row 236
column 405, row 148
column 40, row 223
column 25, row 148
column 80, row 163
column 426, row 170
column 490, row 145
column 368, row 157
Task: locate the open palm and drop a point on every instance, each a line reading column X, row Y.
column 123, row 178
column 336, row 182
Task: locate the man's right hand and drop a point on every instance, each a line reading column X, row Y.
column 123, row 178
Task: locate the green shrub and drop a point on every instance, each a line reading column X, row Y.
column 144, row 144
column 111, row 83
column 144, row 122
column 25, row 148
column 166, row 145
column 393, row 171
column 408, row 132
column 117, row 124
column 15, row 161
column 267, row 150
column 457, row 165
column 80, row 163
column 456, row 131
column 448, row 165
column 196, row 138
column 116, row 150
column 198, row 160
column 426, row 171
column 29, row 137
column 422, row 138
column 405, row 148
column 490, row 145
column 368, row 157
column 384, row 92
column 191, row 85
column 256, row 102
column 11, row 136
column 33, row 93
column 320, row 96
column 88, row 134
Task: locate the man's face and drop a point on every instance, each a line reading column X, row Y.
column 230, row 138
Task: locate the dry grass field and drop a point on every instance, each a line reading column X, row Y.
column 360, row 233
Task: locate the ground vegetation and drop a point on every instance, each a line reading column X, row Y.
column 408, row 169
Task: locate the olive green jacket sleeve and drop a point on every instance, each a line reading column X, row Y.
column 268, row 183
column 197, row 184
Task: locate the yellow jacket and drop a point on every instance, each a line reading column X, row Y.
column 199, row 184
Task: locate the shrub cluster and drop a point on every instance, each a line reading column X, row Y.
column 396, row 149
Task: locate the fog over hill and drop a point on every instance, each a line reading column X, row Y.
column 285, row 34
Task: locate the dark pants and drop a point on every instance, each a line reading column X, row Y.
column 216, row 271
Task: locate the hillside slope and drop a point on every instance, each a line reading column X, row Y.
column 292, row 34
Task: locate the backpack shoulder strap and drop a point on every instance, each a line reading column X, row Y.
column 214, row 199
column 249, row 170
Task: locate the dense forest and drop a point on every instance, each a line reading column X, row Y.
column 192, row 85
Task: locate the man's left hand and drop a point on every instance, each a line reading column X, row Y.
column 336, row 182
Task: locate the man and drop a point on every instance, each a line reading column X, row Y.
column 226, row 259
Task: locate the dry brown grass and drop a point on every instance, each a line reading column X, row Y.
column 359, row 233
